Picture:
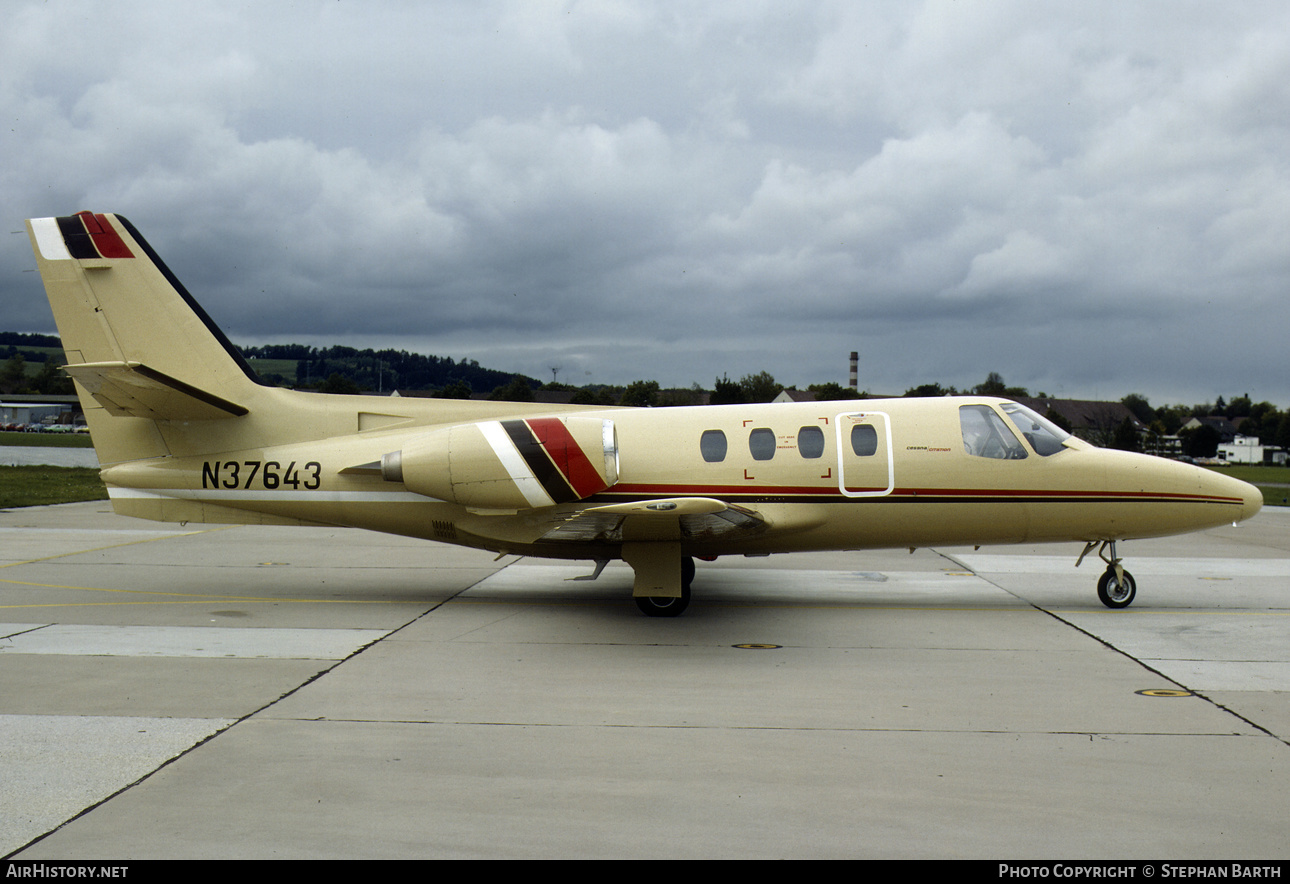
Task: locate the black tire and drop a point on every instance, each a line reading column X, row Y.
column 1115, row 593
column 661, row 606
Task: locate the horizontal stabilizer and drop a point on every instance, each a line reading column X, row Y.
column 131, row 389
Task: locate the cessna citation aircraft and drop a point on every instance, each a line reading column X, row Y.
column 186, row 432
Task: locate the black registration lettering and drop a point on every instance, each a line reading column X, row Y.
column 257, row 475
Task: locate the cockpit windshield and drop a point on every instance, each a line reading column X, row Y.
column 986, row 435
column 1044, row 436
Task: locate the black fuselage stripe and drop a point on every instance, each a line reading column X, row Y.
column 544, row 469
column 771, row 497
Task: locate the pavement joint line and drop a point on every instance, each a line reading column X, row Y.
column 1057, row 615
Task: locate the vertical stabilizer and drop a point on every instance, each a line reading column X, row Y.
column 139, row 347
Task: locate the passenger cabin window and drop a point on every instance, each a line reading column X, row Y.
column 712, row 444
column 1043, row 435
column 810, row 442
column 864, row 440
column 986, row 435
column 761, row 443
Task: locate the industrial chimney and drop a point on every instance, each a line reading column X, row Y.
column 855, row 371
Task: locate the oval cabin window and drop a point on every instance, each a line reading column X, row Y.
column 864, row 440
column 712, row 445
column 761, row 443
column 810, row 442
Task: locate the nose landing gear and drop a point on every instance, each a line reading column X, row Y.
column 1116, row 587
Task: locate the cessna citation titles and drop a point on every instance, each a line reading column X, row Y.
column 185, row 431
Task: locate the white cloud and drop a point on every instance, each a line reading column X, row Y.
column 1065, row 194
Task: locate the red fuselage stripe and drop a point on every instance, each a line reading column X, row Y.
column 567, row 454
column 965, row 494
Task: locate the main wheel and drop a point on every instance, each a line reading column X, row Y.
column 1114, row 592
column 662, row 606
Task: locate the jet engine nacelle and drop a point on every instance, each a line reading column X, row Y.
column 510, row 464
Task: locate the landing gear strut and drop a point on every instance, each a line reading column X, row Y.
column 1116, row 587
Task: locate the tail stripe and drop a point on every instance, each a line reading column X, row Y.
column 106, row 239
column 49, row 239
column 85, row 237
column 78, row 241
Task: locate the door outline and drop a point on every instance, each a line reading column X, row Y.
column 844, row 423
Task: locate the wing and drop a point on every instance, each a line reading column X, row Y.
column 678, row 518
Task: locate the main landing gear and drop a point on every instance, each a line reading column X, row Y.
column 666, row 606
column 1116, row 587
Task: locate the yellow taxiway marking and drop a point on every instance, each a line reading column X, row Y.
column 177, row 598
column 80, row 552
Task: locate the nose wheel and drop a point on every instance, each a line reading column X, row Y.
column 1116, row 587
column 1116, row 590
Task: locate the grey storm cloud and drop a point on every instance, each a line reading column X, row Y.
column 1091, row 199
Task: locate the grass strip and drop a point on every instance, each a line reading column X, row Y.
column 47, row 440
column 43, row 485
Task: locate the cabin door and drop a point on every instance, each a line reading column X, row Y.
column 865, row 464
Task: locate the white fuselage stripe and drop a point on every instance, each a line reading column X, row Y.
column 217, row 496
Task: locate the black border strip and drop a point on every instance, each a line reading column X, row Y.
column 200, row 395
column 201, row 314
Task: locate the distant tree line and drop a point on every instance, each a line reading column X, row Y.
column 25, row 372
column 347, row 369
column 33, row 361
column 22, row 339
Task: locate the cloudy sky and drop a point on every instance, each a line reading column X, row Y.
column 1090, row 198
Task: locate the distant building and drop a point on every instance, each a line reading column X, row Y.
column 1090, row 420
column 1226, row 429
column 23, row 408
column 1247, row 450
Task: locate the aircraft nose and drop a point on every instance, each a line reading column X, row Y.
column 1253, row 501
column 1218, row 485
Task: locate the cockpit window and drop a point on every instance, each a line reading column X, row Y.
column 1043, row 435
column 986, row 435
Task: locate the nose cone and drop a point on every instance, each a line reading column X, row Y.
column 1249, row 499
column 1253, row 501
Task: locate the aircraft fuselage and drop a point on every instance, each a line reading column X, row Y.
column 913, row 483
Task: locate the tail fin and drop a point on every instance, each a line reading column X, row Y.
column 139, row 347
